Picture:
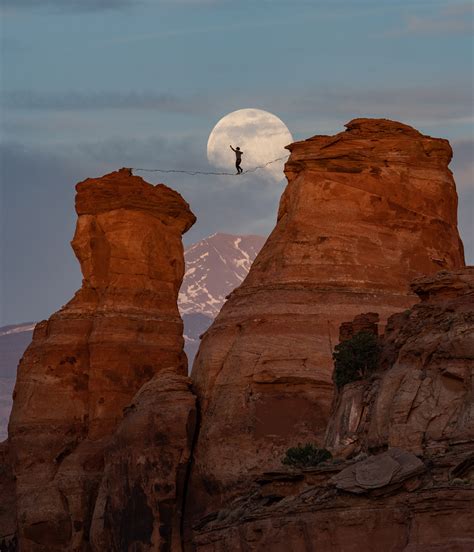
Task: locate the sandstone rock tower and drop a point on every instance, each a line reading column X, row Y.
column 364, row 213
column 89, row 359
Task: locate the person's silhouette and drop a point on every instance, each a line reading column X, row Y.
column 238, row 159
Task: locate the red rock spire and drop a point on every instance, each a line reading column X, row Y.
column 89, row 359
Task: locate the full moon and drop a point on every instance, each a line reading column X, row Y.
column 260, row 135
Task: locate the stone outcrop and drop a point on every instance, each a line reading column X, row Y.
column 139, row 503
column 366, row 322
column 364, row 213
column 403, row 476
column 424, row 402
column 428, row 513
column 89, row 359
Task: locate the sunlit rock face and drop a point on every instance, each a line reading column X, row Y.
column 89, row 359
column 402, row 476
column 364, row 213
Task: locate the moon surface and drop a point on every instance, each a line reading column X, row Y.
column 260, row 135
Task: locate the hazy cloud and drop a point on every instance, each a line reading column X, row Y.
column 106, row 100
column 62, row 6
column 451, row 19
column 417, row 105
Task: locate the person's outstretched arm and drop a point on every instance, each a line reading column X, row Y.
column 232, row 148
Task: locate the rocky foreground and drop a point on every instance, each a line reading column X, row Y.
column 112, row 447
column 402, row 477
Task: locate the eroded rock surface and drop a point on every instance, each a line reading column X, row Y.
column 89, row 359
column 364, row 213
column 139, row 504
column 425, row 513
column 403, row 474
column 424, row 402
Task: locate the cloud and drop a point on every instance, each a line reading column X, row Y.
column 22, row 99
column 452, row 19
column 427, row 104
column 235, row 204
column 333, row 105
column 64, row 6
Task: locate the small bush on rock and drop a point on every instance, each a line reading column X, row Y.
column 304, row 456
column 355, row 358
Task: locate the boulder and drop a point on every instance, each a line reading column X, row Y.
column 389, row 468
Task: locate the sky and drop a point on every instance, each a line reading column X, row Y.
column 89, row 86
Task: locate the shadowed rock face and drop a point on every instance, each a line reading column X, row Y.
column 364, row 213
column 90, row 358
column 7, row 501
column 140, row 498
column 403, row 476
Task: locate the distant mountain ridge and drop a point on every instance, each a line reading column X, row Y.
column 214, row 267
column 17, row 328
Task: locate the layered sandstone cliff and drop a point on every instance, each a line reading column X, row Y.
column 403, row 474
column 85, row 364
column 364, row 213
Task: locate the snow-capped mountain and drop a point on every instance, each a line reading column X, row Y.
column 214, row 267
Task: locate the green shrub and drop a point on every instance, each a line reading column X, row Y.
column 304, row 456
column 355, row 358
